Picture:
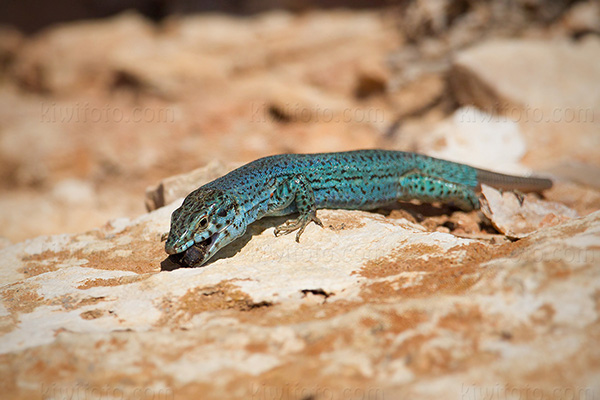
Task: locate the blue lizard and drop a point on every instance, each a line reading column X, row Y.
column 219, row 212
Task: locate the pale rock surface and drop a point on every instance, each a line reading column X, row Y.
column 374, row 305
column 584, row 174
column 124, row 102
column 368, row 303
column 474, row 137
column 56, row 62
column 178, row 186
column 544, row 86
column 583, row 17
column 518, row 217
column 534, row 82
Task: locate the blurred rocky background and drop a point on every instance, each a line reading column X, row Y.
column 94, row 111
column 106, row 106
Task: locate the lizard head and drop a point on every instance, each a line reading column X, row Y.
column 205, row 222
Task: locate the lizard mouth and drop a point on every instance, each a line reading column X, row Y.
column 197, row 253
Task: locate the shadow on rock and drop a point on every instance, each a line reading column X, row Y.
column 176, row 261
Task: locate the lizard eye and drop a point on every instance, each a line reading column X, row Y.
column 203, row 222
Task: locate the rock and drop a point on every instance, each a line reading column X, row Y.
column 201, row 52
column 372, row 79
column 533, row 85
column 412, row 300
column 584, row 200
column 145, row 101
column 418, row 95
column 73, row 191
column 583, row 17
column 544, row 88
column 10, row 41
column 296, row 102
column 62, row 60
column 473, row 137
column 584, row 174
column 4, row 242
column 517, row 218
column 178, row 186
column 367, row 302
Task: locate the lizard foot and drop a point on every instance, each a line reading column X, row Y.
column 299, row 224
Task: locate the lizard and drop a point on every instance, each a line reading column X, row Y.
column 217, row 213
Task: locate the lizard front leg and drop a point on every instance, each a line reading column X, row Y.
column 295, row 191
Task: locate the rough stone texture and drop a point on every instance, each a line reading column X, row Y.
column 481, row 138
column 369, row 303
column 235, row 89
column 544, row 86
column 517, row 216
column 178, row 186
column 387, row 306
column 122, row 103
column 410, row 301
column 534, row 78
column 582, row 18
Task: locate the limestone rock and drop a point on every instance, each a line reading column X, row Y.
column 542, row 85
column 178, row 186
column 409, row 301
column 124, row 102
column 584, row 174
column 418, row 95
column 583, row 17
column 62, row 60
column 369, row 303
column 517, row 218
column 544, row 79
column 474, row 137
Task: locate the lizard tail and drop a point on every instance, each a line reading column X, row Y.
column 510, row 182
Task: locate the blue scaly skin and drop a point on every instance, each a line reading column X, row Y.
column 219, row 212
